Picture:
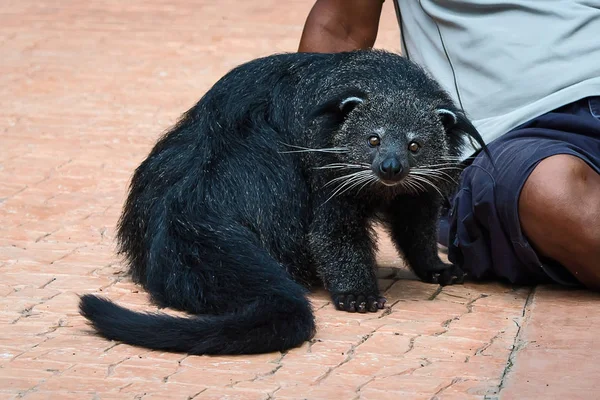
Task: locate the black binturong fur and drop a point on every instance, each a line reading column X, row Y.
column 273, row 180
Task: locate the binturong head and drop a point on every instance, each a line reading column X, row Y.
column 410, row 142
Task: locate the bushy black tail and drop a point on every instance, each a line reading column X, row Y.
column 266, row 325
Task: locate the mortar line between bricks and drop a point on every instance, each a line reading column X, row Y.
column 485, row 346
column 166, row 378
column 348, row 358
column 359, row 388
column 277, row 367
column 196, row 395
column 436, row 293
column 389, row 286
column 111, row 368
column 517, row 343
column 30, row 390
column 47, row 283
column 443, row 388
column 350, row 355
column 46, row 235
column 424, row 363
column 69, row 253
column 468, row 306
column 15, row 194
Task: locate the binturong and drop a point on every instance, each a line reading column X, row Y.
column 272, row 182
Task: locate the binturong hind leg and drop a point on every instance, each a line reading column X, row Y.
column 255, row 306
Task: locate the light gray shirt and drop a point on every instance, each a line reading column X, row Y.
column 506, row 62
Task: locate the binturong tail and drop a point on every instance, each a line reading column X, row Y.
column 239, row 299
column 263, row 326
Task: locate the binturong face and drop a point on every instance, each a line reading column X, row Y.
column 401, row 144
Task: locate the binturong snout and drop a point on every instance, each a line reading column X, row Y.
column 391, row 171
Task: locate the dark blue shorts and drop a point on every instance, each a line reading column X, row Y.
column 482, row 227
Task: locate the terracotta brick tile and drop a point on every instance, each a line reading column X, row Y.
column 19, row 384
column 9, row 371
column 155, row 355
column 159, row 390
column 436, row 311
column 24, row 328
column 231, row 394
column 5, row 290
column 341, row 333
column 239, row 364
column 29, row 349
column 296, row 374
column 511, row 300
column 350, row 381
column 80, row 384
column 62, row 394
column 33, row 293
column 327, row 353
column 315, row 392
column 209, row 378
column 18, row 305
column 411, row 327
column 369, row 364
column 80, row 284
column 410, row 383
column 472, row 370
column 82, row 355
column 47, row 320
column 65, row 303
column 470, row 389
column 444, row 348
column 487, row 320
column 388, row 344
column 92, row 255
column 37, row 365
column 9, row 317
column 20, row 277
column 149, row 372
column 57, row 340
column 267, row 385
column 410, row 290
column 384, row 394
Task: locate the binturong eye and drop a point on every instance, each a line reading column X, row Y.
column 414, row 147
column 374, row 141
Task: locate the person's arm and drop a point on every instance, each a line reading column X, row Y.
column 341, row 25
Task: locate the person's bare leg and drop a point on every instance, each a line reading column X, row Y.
column 559, row 209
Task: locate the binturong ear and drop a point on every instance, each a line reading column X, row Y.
column 349, row 103
column 339, row 106
column 448, row 118
column 458, row 125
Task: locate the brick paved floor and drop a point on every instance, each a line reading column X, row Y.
column 85, row 89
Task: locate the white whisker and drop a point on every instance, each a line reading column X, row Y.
column 448, row 164
column 433, row 173
column 342, row 166
column 301, row 149
column 371, row 179
column 423, row 179
column 348, row 182
column 412, row 186
column 347, row 177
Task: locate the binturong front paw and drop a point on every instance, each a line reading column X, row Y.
column 358, row 302
column 445, row 274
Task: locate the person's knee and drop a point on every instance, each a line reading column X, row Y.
column 561, row 199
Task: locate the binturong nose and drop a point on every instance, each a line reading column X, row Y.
column 390, row 169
